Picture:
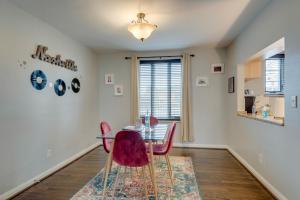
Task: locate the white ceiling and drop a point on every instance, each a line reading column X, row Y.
column 102, row 24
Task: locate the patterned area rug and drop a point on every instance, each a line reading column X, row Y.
column 129, row 184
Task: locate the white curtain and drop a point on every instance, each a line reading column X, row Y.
column 186, row 115
column 134, row 101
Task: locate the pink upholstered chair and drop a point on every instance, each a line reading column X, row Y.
column 153, row 120
column 105, row 129
column 129, row 150
column 163, row 149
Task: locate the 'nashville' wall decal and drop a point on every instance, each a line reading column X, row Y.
column 41, row 54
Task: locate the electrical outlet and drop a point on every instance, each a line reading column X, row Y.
column 261, row 158
column 49, row 153
column 294, row 101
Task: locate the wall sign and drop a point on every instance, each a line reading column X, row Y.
column 56, row 60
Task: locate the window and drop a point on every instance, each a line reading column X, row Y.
column 274, row 76
column 160, row 88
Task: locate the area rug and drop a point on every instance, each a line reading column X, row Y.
column 129, row 184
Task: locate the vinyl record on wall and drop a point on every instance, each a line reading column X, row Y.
column 59, row 87
column 38, row 79
column 75, row 85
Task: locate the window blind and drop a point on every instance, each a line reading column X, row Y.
column 160, row 88
column 274, row 76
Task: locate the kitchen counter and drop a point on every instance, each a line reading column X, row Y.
column 271, row 119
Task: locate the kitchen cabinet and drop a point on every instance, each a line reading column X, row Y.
column 253, row 69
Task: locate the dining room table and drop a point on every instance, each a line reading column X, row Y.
column 150, row 135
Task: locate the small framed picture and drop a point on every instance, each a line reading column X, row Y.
column 109, row 79
column 118, row 90
column 217, row 68
column 202, row 81
column 231, row 85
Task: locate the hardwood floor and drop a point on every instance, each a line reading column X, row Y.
column 219, row 175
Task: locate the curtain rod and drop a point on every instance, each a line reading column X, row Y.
column 128, row 57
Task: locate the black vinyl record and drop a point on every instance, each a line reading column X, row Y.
column 75, row 85
column 38, row 79
column 60, row 87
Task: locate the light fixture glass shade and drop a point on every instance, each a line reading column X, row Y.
column 141, row 29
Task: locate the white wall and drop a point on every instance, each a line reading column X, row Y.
column 207, row 103
column 31, row 121
column 278, row 145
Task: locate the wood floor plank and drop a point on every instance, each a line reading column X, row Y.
column 219, row 175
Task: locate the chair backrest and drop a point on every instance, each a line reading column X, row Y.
column 170, row 135
column 130, row 149
column 153, row 120
column 105, row 128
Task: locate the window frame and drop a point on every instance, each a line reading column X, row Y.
column 169, row 61
column 280, row 57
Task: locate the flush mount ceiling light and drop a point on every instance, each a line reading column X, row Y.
column 141, row 29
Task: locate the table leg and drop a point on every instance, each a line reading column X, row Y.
column 108, row 167
column 153, row 169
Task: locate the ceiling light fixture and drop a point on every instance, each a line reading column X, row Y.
column 141, row 29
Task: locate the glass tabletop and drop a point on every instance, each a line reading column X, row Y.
column 156, row 133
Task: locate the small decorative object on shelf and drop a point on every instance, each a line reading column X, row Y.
column 266, row 111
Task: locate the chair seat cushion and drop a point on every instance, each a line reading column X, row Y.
column 158, row 149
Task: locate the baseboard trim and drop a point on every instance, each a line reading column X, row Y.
column 202, row 146
column 257, row 175
column 46, row 173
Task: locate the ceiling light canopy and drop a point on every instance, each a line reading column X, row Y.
column 141, row 29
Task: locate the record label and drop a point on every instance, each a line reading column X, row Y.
column 38, row 79
column 60, row 87
column 75, row 85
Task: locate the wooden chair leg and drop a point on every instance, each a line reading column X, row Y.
column 105, row 180
column 117, row 179
column 131, row 174
column 150, row 172
column 145, row 183
column 109, row 164
column 105, row 168
column 169, row 168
